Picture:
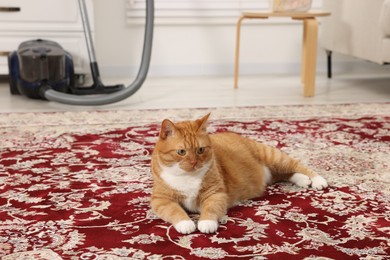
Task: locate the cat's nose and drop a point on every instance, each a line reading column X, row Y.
column 193, row 163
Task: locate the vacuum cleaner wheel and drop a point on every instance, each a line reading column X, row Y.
column 12, row 77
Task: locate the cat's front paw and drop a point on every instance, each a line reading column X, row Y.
column 319, row 183
column 207, row 226
column 301, row 180
column 185, row 226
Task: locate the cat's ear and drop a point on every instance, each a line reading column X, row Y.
column 202, row 123
column 167, row 129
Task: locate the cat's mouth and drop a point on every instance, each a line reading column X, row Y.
column 196, row 169
column 192, row 168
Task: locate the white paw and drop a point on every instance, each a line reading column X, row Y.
column 207, row 226
column 185, row 226
column 300, row 180
column 319, row 183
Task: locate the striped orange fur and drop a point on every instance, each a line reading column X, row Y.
column 194, row 171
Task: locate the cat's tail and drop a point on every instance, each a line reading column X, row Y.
column 285, row 168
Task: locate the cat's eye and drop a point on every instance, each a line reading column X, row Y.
column 200, row 150
column 181, row 152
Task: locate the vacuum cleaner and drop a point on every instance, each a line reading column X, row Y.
column 38, row 64
column 42, row 69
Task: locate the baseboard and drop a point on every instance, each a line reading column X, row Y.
column 345, row 67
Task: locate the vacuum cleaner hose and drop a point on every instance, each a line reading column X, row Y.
column 96, row 100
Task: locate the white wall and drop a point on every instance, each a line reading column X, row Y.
column 272, row 46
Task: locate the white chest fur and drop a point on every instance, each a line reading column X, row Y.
column 187, row 184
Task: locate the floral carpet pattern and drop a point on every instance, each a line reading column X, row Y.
column 76, row 185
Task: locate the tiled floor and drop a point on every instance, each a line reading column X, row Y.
column 192, row 92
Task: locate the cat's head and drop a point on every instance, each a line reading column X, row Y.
column 185, row 144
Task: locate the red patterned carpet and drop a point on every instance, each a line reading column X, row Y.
column 76, row 185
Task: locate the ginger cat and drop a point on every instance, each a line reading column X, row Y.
column 194, row 171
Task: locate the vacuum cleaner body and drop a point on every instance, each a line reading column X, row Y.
column 38, row 65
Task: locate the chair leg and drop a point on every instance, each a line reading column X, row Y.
column 310, row 56
column 303, row 63
column 329, row 61
column 237, row 51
